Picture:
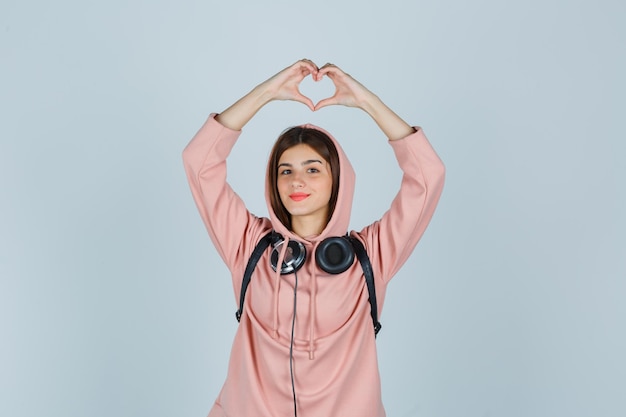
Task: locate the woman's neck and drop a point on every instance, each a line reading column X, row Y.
column 305, row 226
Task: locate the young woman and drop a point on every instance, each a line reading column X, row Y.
column 305, row 343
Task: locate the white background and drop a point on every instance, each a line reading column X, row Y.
column 113, row 301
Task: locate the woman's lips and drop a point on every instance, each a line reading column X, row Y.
column 298, row 196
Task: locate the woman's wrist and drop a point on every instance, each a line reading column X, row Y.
column 370, row 103
column 262, row 94
column 387, row 120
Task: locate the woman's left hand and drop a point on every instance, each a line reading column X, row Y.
column 348, row 91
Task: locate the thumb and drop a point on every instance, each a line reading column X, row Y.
column 305, row 100
column 325, row 102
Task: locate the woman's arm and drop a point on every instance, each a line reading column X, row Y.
column 394, row 236
column 231, row 226
column 351, row 93
column 282, row 86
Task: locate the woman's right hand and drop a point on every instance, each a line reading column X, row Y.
column 282, row 86
column 285, row 85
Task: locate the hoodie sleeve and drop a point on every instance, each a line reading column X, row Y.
column 232, row 228
column 391, row 240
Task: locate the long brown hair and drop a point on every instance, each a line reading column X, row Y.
column 323, row 145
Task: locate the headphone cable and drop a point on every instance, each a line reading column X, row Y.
column 293, row 325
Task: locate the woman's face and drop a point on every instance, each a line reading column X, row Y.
column 304, row 182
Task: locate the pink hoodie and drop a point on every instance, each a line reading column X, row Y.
column 335, row 363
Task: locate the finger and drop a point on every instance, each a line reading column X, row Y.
column 309, row 65
column 329, row 65
column 332, row 76
column 328, row 70
column 309, row 62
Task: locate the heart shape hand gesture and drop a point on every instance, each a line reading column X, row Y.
column 286, row 85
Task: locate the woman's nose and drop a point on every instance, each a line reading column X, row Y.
column 297, row 181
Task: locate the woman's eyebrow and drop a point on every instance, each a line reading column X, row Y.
column 311, row 161
column 307, row 162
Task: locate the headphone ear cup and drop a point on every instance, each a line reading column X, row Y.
column 294, row 256
column 334, row 255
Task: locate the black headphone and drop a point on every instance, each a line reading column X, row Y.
column 334, row 255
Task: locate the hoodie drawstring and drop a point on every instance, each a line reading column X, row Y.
column 312, row 313
column 312, row 301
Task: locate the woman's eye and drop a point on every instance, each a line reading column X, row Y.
column 314, row 170
column 285, row 172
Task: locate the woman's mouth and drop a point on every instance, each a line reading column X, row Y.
column 298, row 196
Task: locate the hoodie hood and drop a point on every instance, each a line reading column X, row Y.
column 340, row 218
